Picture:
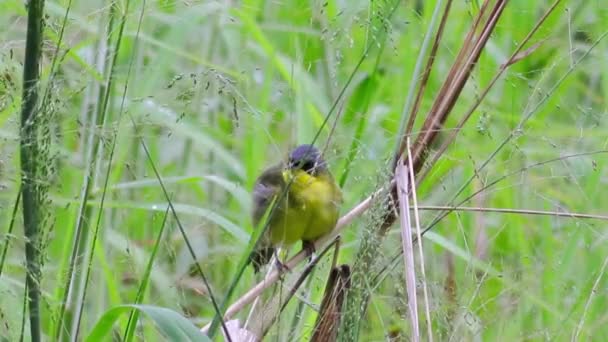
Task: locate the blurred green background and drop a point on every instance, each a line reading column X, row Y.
column 217, row 90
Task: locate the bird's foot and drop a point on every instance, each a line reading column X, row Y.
column 310, row 249
column 281, row 267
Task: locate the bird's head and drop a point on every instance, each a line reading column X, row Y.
column 308, row 159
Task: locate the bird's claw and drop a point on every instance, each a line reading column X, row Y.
column 281, row 267
column 310, row 249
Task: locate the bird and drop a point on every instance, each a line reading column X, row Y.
column 306, row 202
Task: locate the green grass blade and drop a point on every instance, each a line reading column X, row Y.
column 145, row 279
column 172, row 325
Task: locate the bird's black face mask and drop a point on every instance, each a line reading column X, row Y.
column 307, row 158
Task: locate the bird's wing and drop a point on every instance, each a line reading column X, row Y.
column 268, row 185
column 267, row 188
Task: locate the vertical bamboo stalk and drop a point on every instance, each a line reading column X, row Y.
column 28, row 152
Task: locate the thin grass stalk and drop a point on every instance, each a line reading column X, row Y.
column 430, row 126
column 406, row 125
column 519, row 127
column 448, row 209
column 255, row 307
column 450, row 289
column 365, row 259
column 320, row 314
column 9, row 232
column 182, row 230
column 450, row 91
column 434, row 115
column 427, row 69
column 308, row 271
column 100, row 211
column 447, row 96
column 212, row 164
column 47, row 92
column 297, row 319
column 517, row 211
column 359, row 293
column 253, row 243
column 403, row 186
column 29, row 151
column 75, row 281
column 407, row 120
column 72, row 254
column 484, row 93
column 141, row 290
column 457, row 78
column 23, row 313
column 592, row 294
column 361, row 124
column 263, row 322
column 276, row 305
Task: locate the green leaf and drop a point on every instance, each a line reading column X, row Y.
column 171, row 324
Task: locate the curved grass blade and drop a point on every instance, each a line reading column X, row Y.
column 134, row 316
column 237, row 191
column 171, row 324
column 234, row 230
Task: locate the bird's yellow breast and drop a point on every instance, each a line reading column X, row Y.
column 311, row 209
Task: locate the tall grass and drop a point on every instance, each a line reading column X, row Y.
column 32, row 153
column 217, row 91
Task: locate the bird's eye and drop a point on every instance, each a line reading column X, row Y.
column 308, row 166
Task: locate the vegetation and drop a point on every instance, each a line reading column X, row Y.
column 153, row 119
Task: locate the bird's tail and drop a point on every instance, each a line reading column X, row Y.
column 261, row 257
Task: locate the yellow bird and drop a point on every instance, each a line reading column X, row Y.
column 307, row 210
